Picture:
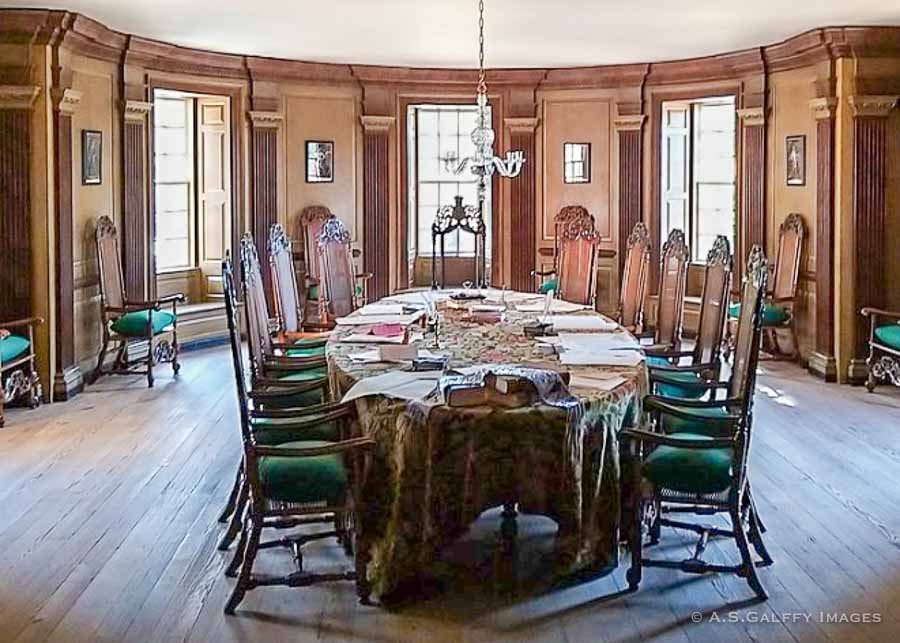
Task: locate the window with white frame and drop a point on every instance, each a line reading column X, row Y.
column 698, row 171
column 173, row 153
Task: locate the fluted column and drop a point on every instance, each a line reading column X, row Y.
column 522, row 206
column 68, row 380
column 822, row 360
column 629, row 129
column 134, row 201
column 264, row 183
column 752, row 213
column 16, row 102
column 869, row 170
column 376, row 203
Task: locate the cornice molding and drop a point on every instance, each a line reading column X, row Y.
column 752, row 116
column 68, row 101
column 18, row 96
column 376, row 124
column 873, row 106
column 627, row 122
column 136, row 110
column 823, row 108
column 261, row 119
column 525, row 125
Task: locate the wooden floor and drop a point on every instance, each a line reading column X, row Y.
column 108, row 508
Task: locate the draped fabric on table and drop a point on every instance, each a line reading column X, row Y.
column 434, row 473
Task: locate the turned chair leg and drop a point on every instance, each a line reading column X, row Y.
column 238, row 559
column 232, row 497
column 98, row 371
column 175, row 365
column 748, row 566
column 244, row 579
column 237, row 515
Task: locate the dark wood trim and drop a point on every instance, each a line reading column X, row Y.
column 630, row 187
column 264, row 193
column 825, row 237
column 135, row 244
column 752, row 179
column 523, row 212
column 376, row 207
column 15, row 220
column 65, row 286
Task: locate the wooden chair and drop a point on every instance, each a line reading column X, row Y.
column 130, row 323
column 779, row 310
column 672, row 282
column 18, row 365
column 289, row 312
column 339, row 293
column 884, row 347
column 634, row 279
column 308, row 229
column 295, row 482
column 575, row 257
column 695, row 458
column 668, row 375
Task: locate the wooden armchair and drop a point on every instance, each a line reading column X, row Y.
column 342, row 291
column 668, row 375
column 291, row 482
column 18, row 370
column 779, row 310
column 634, row 279
column 575, row 257
column 884, row 346
column 672, row 282
column 131, row 323
column 694, row 459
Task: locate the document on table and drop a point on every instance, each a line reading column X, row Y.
column 595, row 383
column 367, row 338
column 556, row 306
column 363, row 319
column 582, row 322
column 404, row 385
column 610, row 358
column 381, row 309
column 599, row 349
column 379, row 356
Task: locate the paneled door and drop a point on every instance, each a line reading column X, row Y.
column 213, row 190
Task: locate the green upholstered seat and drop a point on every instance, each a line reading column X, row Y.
column 689, row 470
column 304, row 480
column 135, row 324
column 656, row 360
column 307, row 398
column 547, row 286
column 308, row 342
column 318, row 351
column 267, row 431
column 889, row 335
column 702, row 421
column 11, row 347
column 772, row 315
column 689, row 385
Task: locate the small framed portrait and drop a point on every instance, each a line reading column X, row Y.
column 577, row 162
column 91, row 157
column 319, row 161
column 795, row 159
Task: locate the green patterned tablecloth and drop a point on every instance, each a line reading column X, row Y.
column 428, row 483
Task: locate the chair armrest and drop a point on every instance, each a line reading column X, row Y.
column 302, row 421
column 708, row 385
column 175, row 297
column 365, row 276
column 676, row 406
column 283, row 389
column 542, row 273
column 781, row 300
column 678, row 368
column 343, row 446
column 664, row 440
column 295, row 362
column 662, row 351
column 869, row 311
column 344, row 408
column 27, row 321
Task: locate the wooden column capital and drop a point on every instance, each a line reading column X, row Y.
column 137, row 111
column 752, row 116
column 66, row 101
column 871, row 106
column 629, row 122
column 18, row 96
column 823, row 108
column 376, row 124
column 521, row 125
column 268, row 120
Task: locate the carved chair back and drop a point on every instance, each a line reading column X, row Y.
column 787, row 261
column 749, row 330
column 308, row 229
column 634, row 277
column 288, row 311
column 714, row 302
column 672, row 282
column 566, row 214
column 337, row 297
column 578, row 242
column 112, row 281
column 255, row 308
column 234, row 334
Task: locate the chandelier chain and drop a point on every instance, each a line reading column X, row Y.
column 482, row 84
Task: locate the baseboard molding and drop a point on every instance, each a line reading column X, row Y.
column 857, row 372
column 822, row 366
column 200, row 343
column 67, row 384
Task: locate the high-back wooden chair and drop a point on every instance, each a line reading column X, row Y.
column 307, row 230
column 672, row 282
column 696, row 459
column 126, row 322
column 634, row 279
column 296, row 482
column 560, row 222
column 671, row 377
column 339, row 294
column 779, row 312
column 288, row 309
column 18, row 364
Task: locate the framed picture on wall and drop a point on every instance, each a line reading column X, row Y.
column 577, row 162
column 91, row 157
column 795, row 160
column 319, row 161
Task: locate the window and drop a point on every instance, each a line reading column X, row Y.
column 577, row 162
column 173, row 153
column 438, row 133
column 698, row 171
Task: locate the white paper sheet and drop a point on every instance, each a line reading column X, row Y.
column 381, row 309
column 398, row 384
column 610, row 358
column 598, row 342
column 376, row 356
column 595, row 383
column 556, row 306
column 582, row 322
column 361, row 320
column 359, row 338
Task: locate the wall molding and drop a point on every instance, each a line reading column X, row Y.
column 137, row 111
column 376, row 124
column 876, row 106
column 629, row 122
column 521, row 125
column 68, row 102
column 265, row 119
column 18, row 96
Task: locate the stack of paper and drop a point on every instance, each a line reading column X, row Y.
column 399, row 384
column 599, row 349
column 556, row 306
column 582, row 323
column 358, row 319
column 381, row 309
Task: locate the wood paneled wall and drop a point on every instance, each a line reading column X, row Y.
column 376, row 203
column 15, row 212
column 263, row 187
column 523, row 204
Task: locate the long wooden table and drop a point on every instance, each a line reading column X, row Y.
column 434, row 473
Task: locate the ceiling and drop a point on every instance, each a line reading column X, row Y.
column 443, row 33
